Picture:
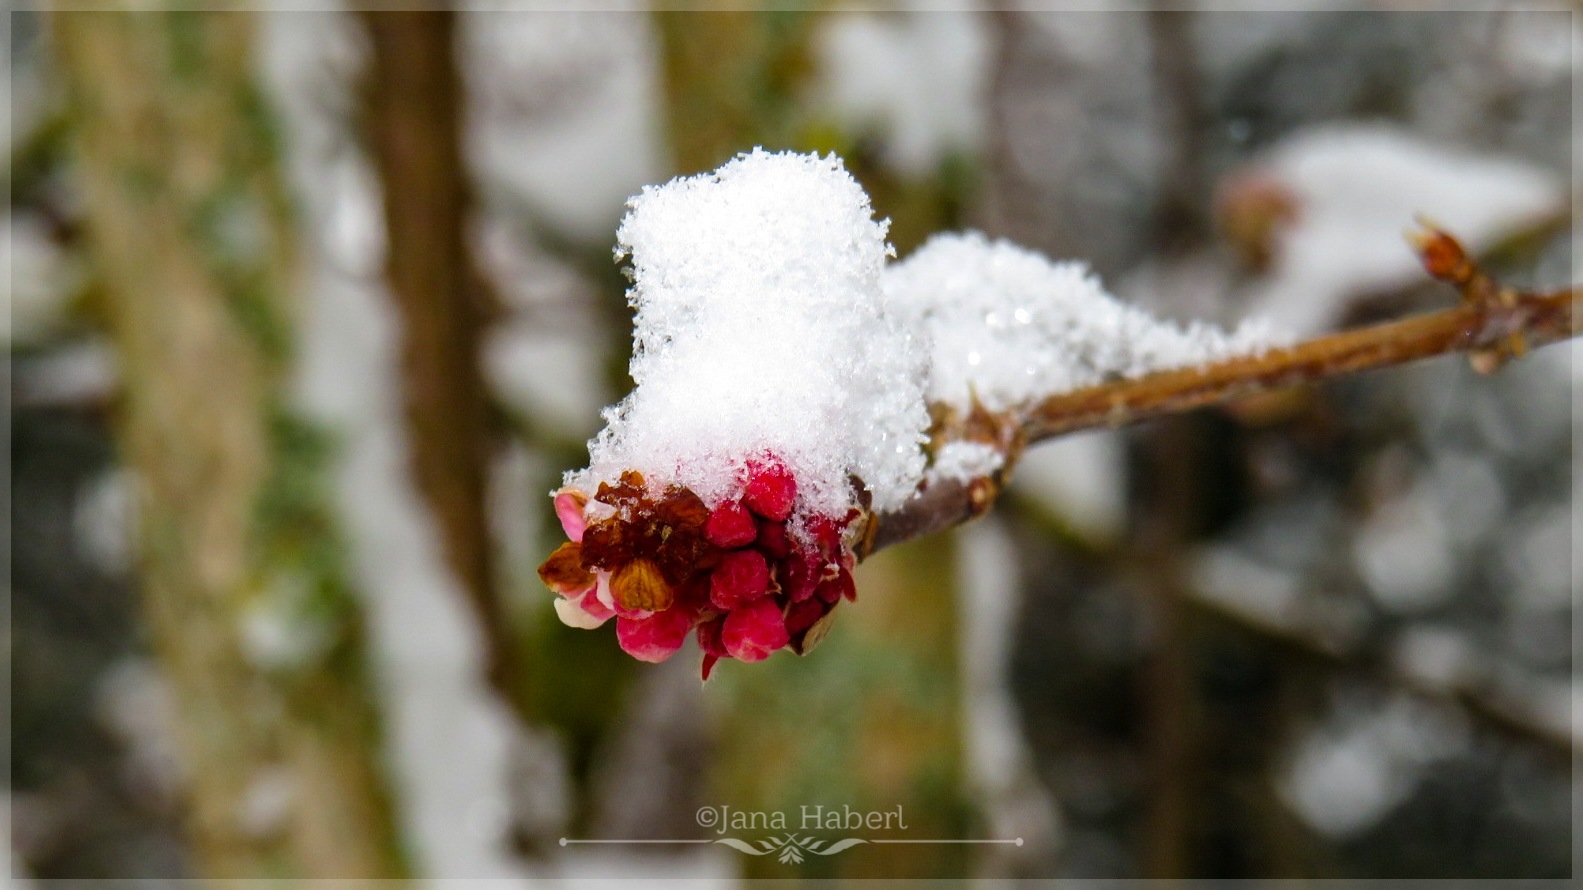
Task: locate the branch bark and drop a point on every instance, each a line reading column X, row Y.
column 1494, row 323
column 1472, row 327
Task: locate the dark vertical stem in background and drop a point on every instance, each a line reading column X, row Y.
column 414, row 106
column 1179, row 219
column 1171, row 471
column 1165, row 520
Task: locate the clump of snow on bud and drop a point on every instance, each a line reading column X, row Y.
column 1008, row 325
column 762, row 330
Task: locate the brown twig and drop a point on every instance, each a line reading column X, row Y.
column 1536, row 318
column 1493, row 323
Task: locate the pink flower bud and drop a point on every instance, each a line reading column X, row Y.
column 741, row 577
column 730, row 526
column 755, row 630
column 655, row 638
column 802, row 616
column 799, row 577
column 770, row 489
column 772, row 540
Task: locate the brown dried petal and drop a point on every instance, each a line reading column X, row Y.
column 683, row 509
column 681, row 556
column 628, row 493
column 606, row 544
column 563, row 572
column 639, row 585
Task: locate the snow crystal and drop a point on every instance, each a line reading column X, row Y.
column 762, row 330
column 1008, row 325
column 964, row 461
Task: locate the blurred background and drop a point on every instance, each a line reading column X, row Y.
column 308, row 311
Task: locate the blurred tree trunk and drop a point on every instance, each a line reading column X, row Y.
column 732, row 80
column 414, row 107
column 251, row 615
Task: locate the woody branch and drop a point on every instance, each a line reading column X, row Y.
column 1493, row 323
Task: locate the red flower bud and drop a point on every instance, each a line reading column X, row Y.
column 799, row 577
column 832, row 589
column 802, row 616
column 730, row 526
column 772, row 540
column 755, row 630
column 655, row 638
column 770, row 489
column 741, row 577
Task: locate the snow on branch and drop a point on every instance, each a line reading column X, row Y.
column 1493, row 323
column 800, row 404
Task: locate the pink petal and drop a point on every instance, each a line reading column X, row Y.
column 570, row 512
column 590, row 603
column 741, row 577
column 573, row 614
column 602, row 590
column 730, row 525
column 754, row 631
column 655, row 638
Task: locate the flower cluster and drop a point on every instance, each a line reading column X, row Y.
column 663, row 564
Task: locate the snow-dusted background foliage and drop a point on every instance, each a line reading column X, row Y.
column 1326, row 634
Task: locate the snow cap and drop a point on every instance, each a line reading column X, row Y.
column 762, row 332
